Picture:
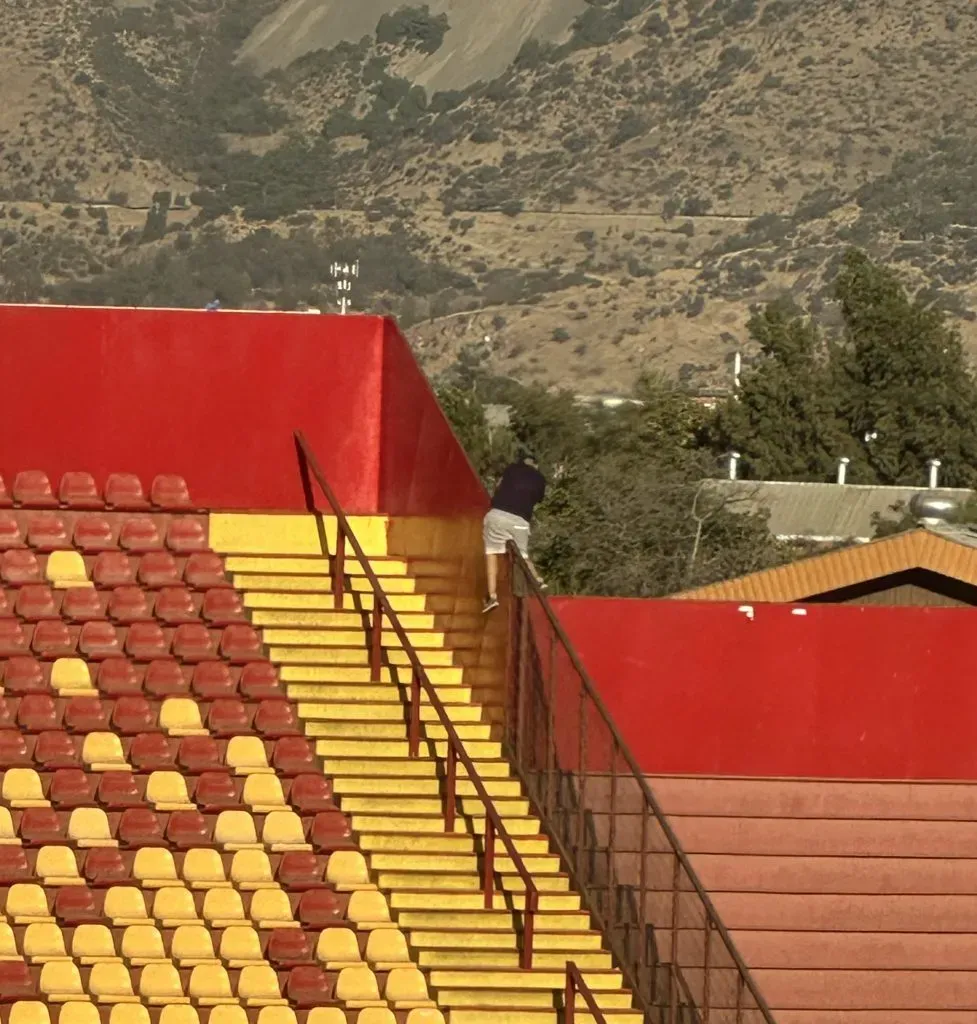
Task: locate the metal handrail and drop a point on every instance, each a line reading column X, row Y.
column 714, row 921
column 494, row 826
column 575, row 983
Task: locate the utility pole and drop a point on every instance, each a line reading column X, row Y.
column 344, row 274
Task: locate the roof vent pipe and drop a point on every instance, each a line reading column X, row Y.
column 734, row 458
column 843, row 468
column 934, row 473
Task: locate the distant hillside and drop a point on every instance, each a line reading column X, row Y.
column 593, row 186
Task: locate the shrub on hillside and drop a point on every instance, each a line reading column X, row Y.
column 415, row 27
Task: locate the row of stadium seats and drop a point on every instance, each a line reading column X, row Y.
column 123, row 491
column 172, row 605
column 155, row 569
column 48, row 531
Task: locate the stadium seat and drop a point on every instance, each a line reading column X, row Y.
column 40, row 826
column 386, row 949
column 338, row 948
column 53, row 639
column 18, row 567
column 86, row 714
column 199, row 753
column 178, row 1013
column 93, row 534
column 113, row 569
column 27, row 902
column 308, row 986
column 406, row 988
column 263, row 793
column 368, row 909
column 7, row 836
column 93, row 944
column 6, row 501
column 21, row 787
column 288, row 947
column 71, row 677
column 240, row 946
column 298, row 871
column 6, row 605
column 140, row 534
column 228, row 717
column 167, row 791
column 89, row 826
column 139, row 826
column 169, row 492
column 66, row 569
column 125, row 905
column 204, row 571
column 57, row 866
column 78, row 490
column 210, row 985
column 152, row 752
column 229, row 1015
column 117, row 677
column 347, row 869
column 13, row 639
column 175, row 605
column 105, row 867
column 47, row 532
column 293, row 755
column 17, row 982
column 187, row 829
column 160, row 984
column 146, row 641
column 331, row 832
column 111, row 985
column 38, row 713
column 236, row 830
column 123, row 491
column 240, row 643
column 118, row 791
column 251, row 869
column 283, row 830
column 35, row 602
column 223, row 908
column 276, row 718
column 180, row 716
column 259, row 680
column 32, row 489
column 11, row 535
column 258, row 984
column 7, row 709
column 329, row 1015
column 192, row 945
column 186, row 536
column 70, row 787
column 82, row 604
column 23, row 674
column 212, row 680
column 13, row 749
column 164, row 678
column 98, row 639
column 216, row 791
column 13, row 865
column 246, row 754
column 222, row 607
column 129, row 604
column 320, row 908
column 154, row 868
column 55, row 750
column 311, row 793
column 204, row 869
column 193, row 642
column 102, row 751
column 158, row 569
column 132, row 716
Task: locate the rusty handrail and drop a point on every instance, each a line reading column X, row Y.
column 575, row 983
column 494, row 826
column 713, row 920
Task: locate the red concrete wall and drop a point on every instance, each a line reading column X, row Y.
column 212, row 396
column 423, row 469
column 830, row 691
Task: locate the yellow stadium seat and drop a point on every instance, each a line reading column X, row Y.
column 160, row 984
column 337, row 948
column 193, row 945
column 168, row 791
column 70, row 677
column 79, row 1013
column 368, row 909
column 134, row 1014
column 154, row 868
column 58, row 866
column 180, row 716
column 264, row 793
column 271, row 908
column 347, row 871
column 124, row 905
column 246, row 754
column 179, row 1014
column 283, row 831
column 235, row 830
column 89, row 826
column 7, row 835
column 241, row 947
column 111, row 983
column 258, row 986
column 22, row 788
column 386, row 948
column 204, row 869
column 8, row 943
column 226, row 1014
column 251, row 869
column 44, row 942
column 279, row 1015
column 27, row 1012
column 326, row 1015
column 102, row 752
column 210, row 986
column 60, row 982
column 142, row 944
column 93, row 944
column 357, row 988
column 425, row 1016
column 174, row 906
column 375, row 1015
column 407, row 989
column 27, row 903
column 223, row 908
column 66, row 569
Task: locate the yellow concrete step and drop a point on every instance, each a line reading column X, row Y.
column 374, row 692
column 477, row 751
column 475, row 901
column 508, row 882
column 526, row 1015
column 390, row 729
column 598, row 981
column 298, row 534
column 488, row 958
column 357, row 656
column 460, row 863
column 490, row 920
column 435, row 604
column 453, row 676
column 286, row 619
column 434, row 843
column 378, row 824
column 386, row 786
column 408, row 767
column 392, row 711
column 284, row 583
column 313, row 566
column 479, row 997
column 405, row 805
column 544, row 941
column 421, row 640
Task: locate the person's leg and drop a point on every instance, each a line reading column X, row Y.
column 494, row 545
column 492, row 576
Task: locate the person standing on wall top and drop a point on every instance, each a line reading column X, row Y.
column 519, row 491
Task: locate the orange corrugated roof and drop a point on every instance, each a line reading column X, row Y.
column 917, row 549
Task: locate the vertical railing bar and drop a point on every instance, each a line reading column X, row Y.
column 452, row 788
column 488, row 868
column 706, row 1000
column 376, row 641
column 522, row 668
column 339, row 568
column 415, row 713
column 673, row 965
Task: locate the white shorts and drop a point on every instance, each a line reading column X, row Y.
column 499, row 527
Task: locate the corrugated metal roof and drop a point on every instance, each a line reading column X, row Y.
column 819, row 511
column 948, row 550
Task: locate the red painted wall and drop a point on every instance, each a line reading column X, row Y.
column 794, row 690
column 214, row 397
column 423, row 469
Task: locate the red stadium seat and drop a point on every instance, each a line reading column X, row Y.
column 14, row 752
column 7, row 709
column 216, row 791
column 23, row 674
column 82, row 604
column 212, row 679
column 170, row 492
column 56, row 749
column 16, row 982
column 289, row 947
column 240, row 643
column 259, row 680
column 118, row 790
column 299, row 871
column 276, row 718
column 78, row 490
column 331, row 831
column 193, row 642
column 75, row 904
column 293, row 756
column 6, row 605
column 13, row 865
column 47, row 532
column 158, row 569
column 70, row 787
column 123, row 491
column 165, row 678
column 185, row 536
column 11, row 535
column 228, row 717
column 13, row 639
column 310, row 793
column 99, row 640
column 145, row 641
column 175, row 605
column 187, row 829
column 113, row 569
column 5, row 499
column 140, row 534
column 35, row 602
column 41, row 826
column 105, row 867
column 130, row 604
column 17, row 567
column 205, row 570
column 38, row 712
column 151, row 752
column 199, row 754
column 86, row 714
column 140, row 827
column 222, row 607
column 93, row 534
column 133, row 715
column 53, row 639
column 308, row 986
column 118, row 677
column 32, row 489
column 320, row 908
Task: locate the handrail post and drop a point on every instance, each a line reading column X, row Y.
column 529, row 929
column 415, row 713
column 569, row 997
column 488, row 868
column 452, row 789
column 339, row 567
column 376, row 641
